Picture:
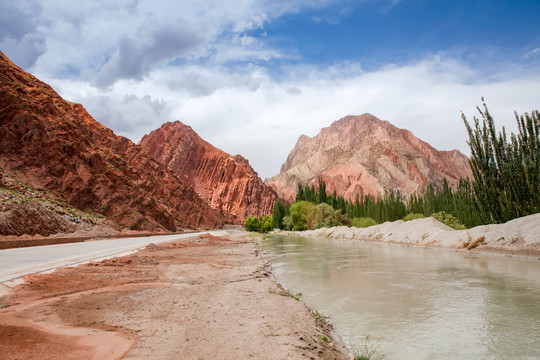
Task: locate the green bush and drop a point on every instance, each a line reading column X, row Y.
column 263, row 224
column 266, row 223
column 413, row 216
column 287, row 223
column 303, row 215
column 327, row 216
column 363, row 222
column 449, row 219
column 251, row 224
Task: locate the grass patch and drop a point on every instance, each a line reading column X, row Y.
column 366, row 350
column 363, row 222
column 295, row 296
column 413, row 216
column 472, row 244
column 323, row 338
column 449, row 220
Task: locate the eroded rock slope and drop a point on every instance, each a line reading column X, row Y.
column 364, row 155
column 53, row 144
column 225, row 182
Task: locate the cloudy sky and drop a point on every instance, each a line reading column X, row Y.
column 251, row 76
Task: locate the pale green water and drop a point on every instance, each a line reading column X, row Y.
column 421, row 303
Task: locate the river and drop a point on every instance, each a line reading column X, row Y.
column 415, row 303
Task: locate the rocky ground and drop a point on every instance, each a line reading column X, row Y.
column 198, row 298
column 520, row 237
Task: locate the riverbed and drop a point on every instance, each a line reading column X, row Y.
column 415, row 303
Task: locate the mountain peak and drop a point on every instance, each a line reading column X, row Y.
column 53, row 144
column 365, row 155
column 227, row 183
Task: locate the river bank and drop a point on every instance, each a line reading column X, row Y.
column 196, row 298
column 519, row 237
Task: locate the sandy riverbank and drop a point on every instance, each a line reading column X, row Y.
column 198, row 298
column 520, row 237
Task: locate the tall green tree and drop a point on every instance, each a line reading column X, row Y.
column 506, row 173
column 279, row 214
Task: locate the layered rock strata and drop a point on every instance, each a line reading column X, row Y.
column 364, row 155
column 53, row 144
column 225, row 182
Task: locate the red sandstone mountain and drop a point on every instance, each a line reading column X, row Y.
column 53, row 144
column 225, row 182
column 364, row 155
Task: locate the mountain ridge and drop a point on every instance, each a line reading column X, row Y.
column 55, row 145
column 365, row 155
column 224, row 181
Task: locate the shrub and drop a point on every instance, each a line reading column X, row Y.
column 263, row 224
column 287, row 223
column 251, row 224
column 449, row 219
column 327, row 216
column 303, row 215
column 266, row 223
column 363, row 222
column 413, row 216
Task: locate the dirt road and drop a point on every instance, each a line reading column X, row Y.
column 203, row 297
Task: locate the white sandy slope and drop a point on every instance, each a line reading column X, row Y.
column 519, row 236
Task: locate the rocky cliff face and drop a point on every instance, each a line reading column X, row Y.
column 56, row 145
column 364, row 155
column 225, row 182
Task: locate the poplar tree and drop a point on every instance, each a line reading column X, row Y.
column 506, row 173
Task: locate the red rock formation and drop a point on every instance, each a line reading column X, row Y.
column 225, row 182
column 53, row 144
column 364, row 155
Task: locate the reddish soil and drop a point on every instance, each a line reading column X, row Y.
column 196, row 298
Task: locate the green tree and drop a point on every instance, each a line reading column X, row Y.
column 506, row 173
column 327, row 216
column 288, row 223
column 279, row 214
column 303, row 215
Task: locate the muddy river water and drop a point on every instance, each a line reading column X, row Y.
column 415, row 303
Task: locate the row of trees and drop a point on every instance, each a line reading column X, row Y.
column 506, row 171
column 314, row 209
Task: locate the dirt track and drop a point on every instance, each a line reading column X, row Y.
column 197, row 298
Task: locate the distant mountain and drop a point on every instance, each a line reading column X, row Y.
column 364, row 155
column 225, row 182
column 52, row 144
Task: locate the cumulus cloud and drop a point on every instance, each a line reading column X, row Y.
column 135, row 57
column 137, row 64
column 254, row 115
column 20, row 37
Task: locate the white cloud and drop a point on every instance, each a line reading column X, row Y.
column 137, row 64
column 531, row 53
column 261, row 119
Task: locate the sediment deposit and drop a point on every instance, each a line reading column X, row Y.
column 203, row 297
column 519, row 236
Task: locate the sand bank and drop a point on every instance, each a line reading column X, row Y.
column 519, row 237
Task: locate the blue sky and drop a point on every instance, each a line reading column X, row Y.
column 376, row 33
column 251, row 76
